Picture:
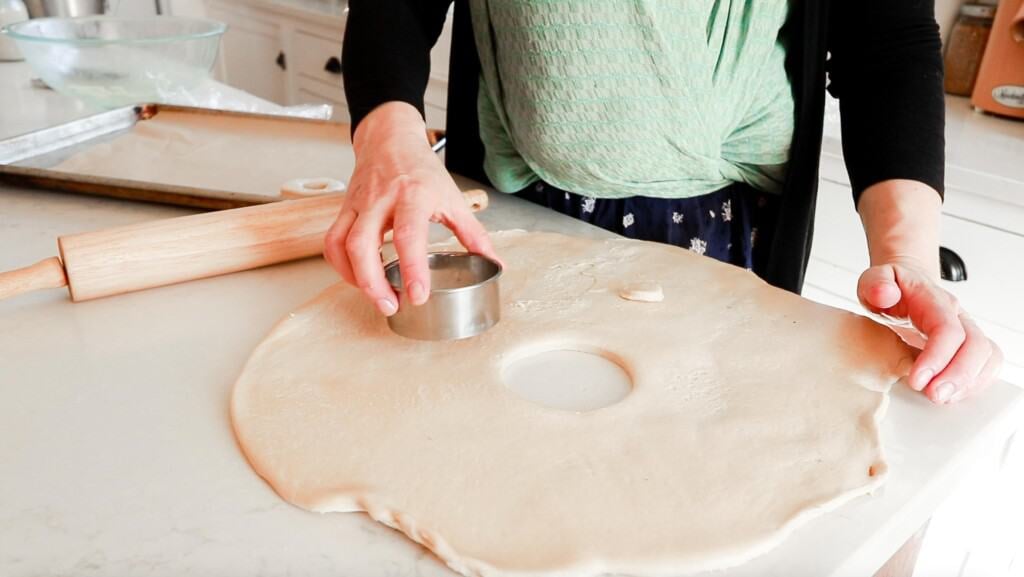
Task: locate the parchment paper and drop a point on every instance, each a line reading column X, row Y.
column 253, row 156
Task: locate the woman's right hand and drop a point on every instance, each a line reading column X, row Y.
column 398, row 184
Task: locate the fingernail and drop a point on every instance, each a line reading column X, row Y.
column 922, row 379
column 944, row 392
column 417, row 294
column 386, row 307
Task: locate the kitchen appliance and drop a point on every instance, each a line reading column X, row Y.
column 111, row 61
column 464, row 298
column 64, row 8
column 151, row 254
column 999, row 88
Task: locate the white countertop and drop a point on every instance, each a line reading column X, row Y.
column 24, row 107
column 118, row 456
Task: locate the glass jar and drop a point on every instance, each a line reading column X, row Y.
column 966, row 46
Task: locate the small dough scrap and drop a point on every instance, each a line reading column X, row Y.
column 643, row 291
column 727, row 440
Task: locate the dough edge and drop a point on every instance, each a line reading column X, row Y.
column 376, row 509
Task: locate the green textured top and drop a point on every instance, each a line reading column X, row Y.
column 614, row 98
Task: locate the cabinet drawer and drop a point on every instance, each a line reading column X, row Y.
column 317, row 58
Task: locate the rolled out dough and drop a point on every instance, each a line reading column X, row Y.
column 752, row 410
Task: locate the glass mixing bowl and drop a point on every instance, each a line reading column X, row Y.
column 109, row 61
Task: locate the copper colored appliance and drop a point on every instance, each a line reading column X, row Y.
column 1000, row 85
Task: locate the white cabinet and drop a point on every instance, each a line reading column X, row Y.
column 313, row 92
column 252, row 54
column 317, row 57
column 291, row 54
column 317, row 71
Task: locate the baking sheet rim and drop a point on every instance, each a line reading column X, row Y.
column 61, row 181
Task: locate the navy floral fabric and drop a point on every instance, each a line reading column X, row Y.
column 733, row 225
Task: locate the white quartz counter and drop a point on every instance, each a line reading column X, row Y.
column 118, row 457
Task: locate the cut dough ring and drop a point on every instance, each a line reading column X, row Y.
column 304, row 187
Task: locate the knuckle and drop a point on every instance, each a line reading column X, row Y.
column 332, row 240
column 412, row 274
column 356, row 244
column 955, row 332
column 331, row 256
column 404, row 185
column 369, row 290
column 332, row 248
column 356, row 194
column 404, row 232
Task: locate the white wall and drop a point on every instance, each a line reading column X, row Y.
column 945, row 13
column 193, row 8
column 945, row 10
column 131, row 7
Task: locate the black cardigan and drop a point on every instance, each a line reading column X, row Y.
column 883, row 59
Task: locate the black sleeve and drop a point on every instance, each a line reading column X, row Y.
column 885, row 67
column 386, row 52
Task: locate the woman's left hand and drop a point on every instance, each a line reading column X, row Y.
column 956, row 359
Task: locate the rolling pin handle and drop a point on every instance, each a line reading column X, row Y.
column 47, row 273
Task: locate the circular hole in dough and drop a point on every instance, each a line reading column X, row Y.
column 568, row 380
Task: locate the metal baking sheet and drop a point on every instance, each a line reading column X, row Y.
column 27, row 160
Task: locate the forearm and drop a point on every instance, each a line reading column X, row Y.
column 386, row 52
column 896, row 132
column 901, row 223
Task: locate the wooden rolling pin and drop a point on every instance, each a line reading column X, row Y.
column 151, row 254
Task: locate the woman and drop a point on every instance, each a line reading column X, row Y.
column 693, row 122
